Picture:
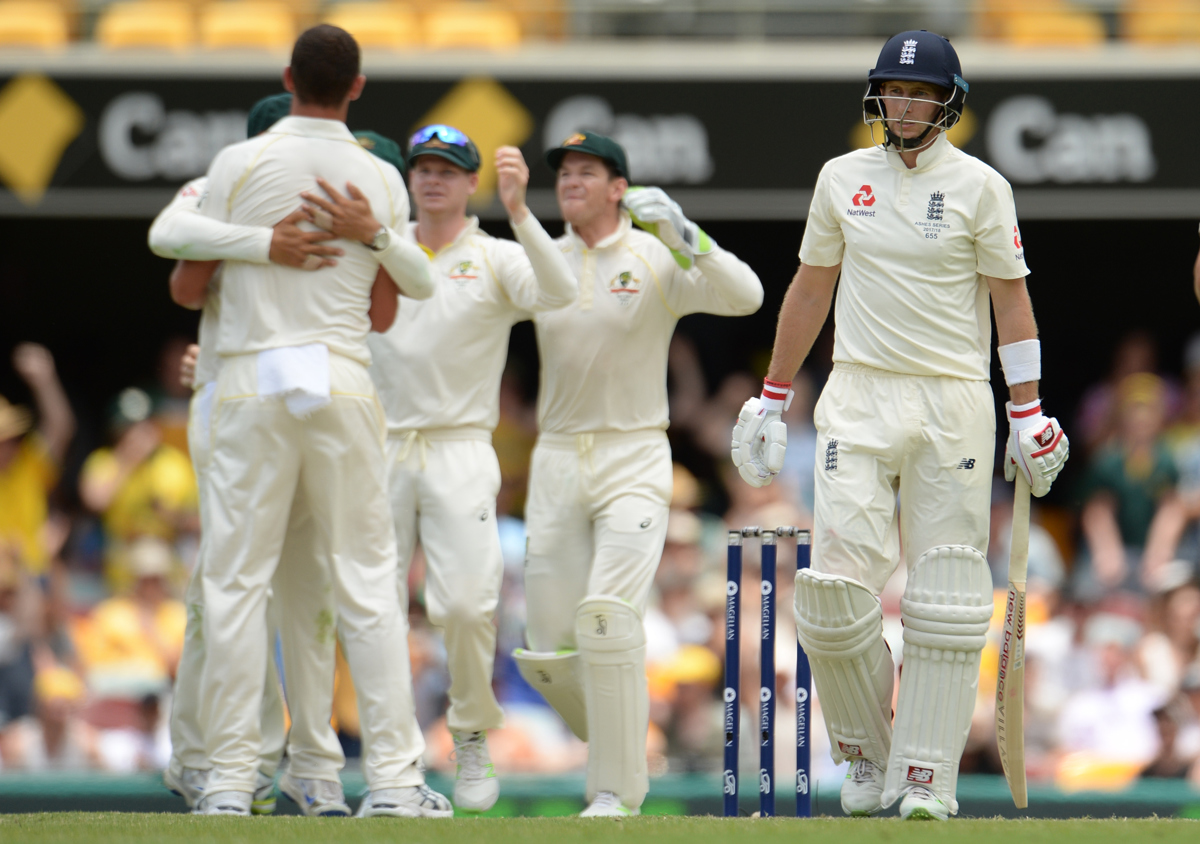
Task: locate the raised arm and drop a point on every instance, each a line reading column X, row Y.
column 544, row 281
column 56, row 421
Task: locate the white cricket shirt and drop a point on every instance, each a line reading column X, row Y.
column 258, row 182
column 604, row 357
column 914, row 246
column 439, row 365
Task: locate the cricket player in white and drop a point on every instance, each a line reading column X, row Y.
column 296, row 417
column 438, row 372
column 921, row 233
column 181, row 232
column 600, row 481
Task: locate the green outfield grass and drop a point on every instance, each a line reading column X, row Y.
column 73, row 827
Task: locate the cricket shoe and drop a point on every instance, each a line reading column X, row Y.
column 476, row 787
column 264, row 796
column 414, row 801
column 608, row 805
column 189, row 784
column 316, row 798
column 921, row 804
column 862, row 790
column 225, row 803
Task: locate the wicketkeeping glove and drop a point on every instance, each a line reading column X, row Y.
column 1036, row 446
column 760, row 436
column 654, row 211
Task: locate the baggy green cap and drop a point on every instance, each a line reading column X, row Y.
column 382, row 148
column 445, row 142
column 590, row 143
column 267, row 112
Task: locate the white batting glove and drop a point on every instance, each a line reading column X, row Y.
column 651, row 209
column 760, row 437
column 1036, row 446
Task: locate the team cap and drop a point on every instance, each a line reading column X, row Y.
column 590, row 143
column 382, row 148
column 267, row 112
column 445, row 142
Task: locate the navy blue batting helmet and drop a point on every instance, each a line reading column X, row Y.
column 918, row 56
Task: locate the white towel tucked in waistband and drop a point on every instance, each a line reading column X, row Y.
column 297, row 374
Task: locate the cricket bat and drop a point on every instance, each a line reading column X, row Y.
column 1010, row 682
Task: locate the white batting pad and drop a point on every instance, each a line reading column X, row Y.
column 840, row 624
column 612, row 646
column 946, row 609
column 559, row 679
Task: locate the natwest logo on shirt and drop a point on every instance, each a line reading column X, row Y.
column 864, row 196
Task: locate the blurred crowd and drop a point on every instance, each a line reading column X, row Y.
column 95, row 553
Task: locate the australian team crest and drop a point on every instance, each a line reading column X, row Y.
column 463, row 272
column 625, row 287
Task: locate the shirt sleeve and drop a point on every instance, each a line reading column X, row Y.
column 824, row 243
column 181, row 232
column 998, row 249
column 406, row 263
column 720, row 283
column 535, row 275
column 223, row 175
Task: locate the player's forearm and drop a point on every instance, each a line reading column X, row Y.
column 408, row 266
column 737, row 286
column 1014, row 324
column 385, row 303
column 191, row 236
column 557, row 286
column 801, row 317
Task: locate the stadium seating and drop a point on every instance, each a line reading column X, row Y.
column 256, row 24
column 1161, row 21
column 33, row 23
column 471, row 25
column 387, row 25
column 1040, row 23
column 147, row 23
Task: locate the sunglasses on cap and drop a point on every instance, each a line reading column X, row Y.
column 445, row 134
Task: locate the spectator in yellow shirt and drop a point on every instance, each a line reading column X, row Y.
column 141, row 486
column 30, row 460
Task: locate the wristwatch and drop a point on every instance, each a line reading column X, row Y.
column 381, row 239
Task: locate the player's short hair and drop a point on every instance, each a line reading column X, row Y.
column 325, row 63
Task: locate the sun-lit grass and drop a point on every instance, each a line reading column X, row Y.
column 115, row 827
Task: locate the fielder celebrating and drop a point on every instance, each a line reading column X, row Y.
column 921, row 233
column 297, row 418
column 438, row 372
column 600, row 481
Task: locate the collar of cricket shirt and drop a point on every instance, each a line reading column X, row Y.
column 624, row 224
column 313, row 127
column 472, row 227
column 926, row 158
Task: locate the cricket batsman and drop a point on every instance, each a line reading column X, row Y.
column 600, row 480
column 923, row 236
column 438, row 373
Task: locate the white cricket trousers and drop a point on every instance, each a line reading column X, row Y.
column 443, row 485
column 187, row 733
column 596, row 519
column 263, row 458
column 930, row 439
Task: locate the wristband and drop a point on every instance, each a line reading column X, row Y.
column 1022, row 416
column 1021, row 362
column 776, row 395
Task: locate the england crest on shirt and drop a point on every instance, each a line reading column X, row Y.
column 625, row 287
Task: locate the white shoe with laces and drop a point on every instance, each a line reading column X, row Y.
column 414, row 801
column 608, row 805
column 189, row 784
column 225, row 803
column 476, row 787
column 862, row 789
column 921, row 804
column 316, row 798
